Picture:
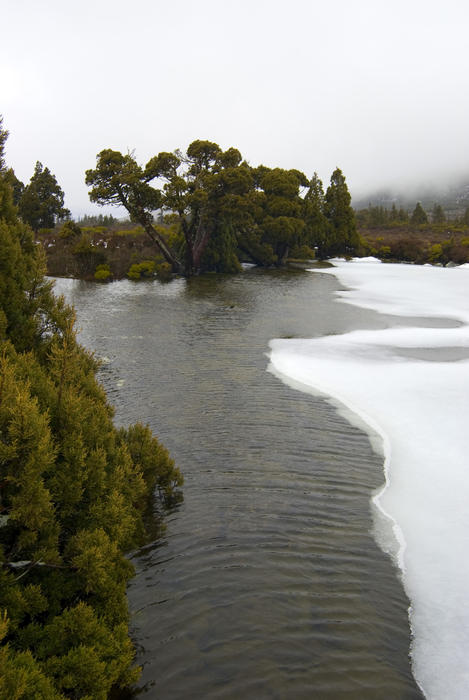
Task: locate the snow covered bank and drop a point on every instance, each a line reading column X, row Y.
column 411, row 386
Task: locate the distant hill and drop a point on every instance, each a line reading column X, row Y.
column 454, row 198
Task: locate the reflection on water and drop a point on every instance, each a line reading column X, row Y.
column 268, row 583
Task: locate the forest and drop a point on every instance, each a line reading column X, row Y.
column 74, row 490
column 205, row 210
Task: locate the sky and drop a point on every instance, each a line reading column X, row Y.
column 376, row 88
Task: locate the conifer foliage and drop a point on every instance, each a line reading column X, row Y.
column 41, row 203
column 72, row 491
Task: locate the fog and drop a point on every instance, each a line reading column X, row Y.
column 379, row 90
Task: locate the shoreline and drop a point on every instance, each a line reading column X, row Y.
column 361, row 374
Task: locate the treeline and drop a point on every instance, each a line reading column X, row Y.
column 73, row 490
column 204, row 209
column 378, row 216
column 416, row 236
column 208, row 210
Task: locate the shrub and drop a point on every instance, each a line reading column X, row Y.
column 102, row 273
column 70, row 230
column 302, row 252
column 143, row 269
column 163, row 271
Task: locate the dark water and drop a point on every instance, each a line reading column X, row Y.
column 268, row 583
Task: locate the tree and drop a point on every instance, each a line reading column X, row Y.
column 438, row 215
column 199, row 187
column 342, row 235
column 315, row 219
column 72, row 492
column 419, row 216
column 283, row 223
column 41, row 204
column 16, row 185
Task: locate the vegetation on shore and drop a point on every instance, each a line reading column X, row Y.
column 208, row 210
column 73, row 491
column 223, row 210
column 398, row 235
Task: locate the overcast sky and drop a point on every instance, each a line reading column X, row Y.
column 378, row 88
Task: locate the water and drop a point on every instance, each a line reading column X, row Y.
column 412, row 385
column 268, row 582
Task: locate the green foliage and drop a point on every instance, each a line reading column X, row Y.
column 419, row 216
column 104, row 220
column 316, row 224
column 342, row 237
column 223, row 210
column 379, row 216
column 435, row 253
column 87, row 256
column 136, row 231
column 73, row 490
column 70, row 230
column 42, row 201
column 163, row 271
column 102, row 273
column 438, row 215
column 143, row 269
column 302, row 252
column 17, row 187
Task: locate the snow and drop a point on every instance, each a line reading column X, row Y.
column 410, row 386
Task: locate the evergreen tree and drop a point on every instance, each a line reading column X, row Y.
column 200, row 188
column 72, row 490
column 315, row 220
column 283, row 224
column 41, row 204
column 419, row 216
column 342, row 237
column 403, row 216
column 438, row 215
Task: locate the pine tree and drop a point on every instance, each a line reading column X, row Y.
column 419, row 216
column 316, row 223
column 342, row 237
column 438, row 215
column 41, row 204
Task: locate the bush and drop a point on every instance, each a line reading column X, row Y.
column 102, row 273
column 70, row 230
column 143, row 269
column 302, row 252
column 164, row 271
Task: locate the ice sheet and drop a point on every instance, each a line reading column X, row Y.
column 420, row 410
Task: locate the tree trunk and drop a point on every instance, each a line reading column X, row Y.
column 164, row 249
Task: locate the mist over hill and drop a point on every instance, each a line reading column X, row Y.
column 452, row 196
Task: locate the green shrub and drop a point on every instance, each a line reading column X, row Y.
column 70, row 230
column 102, row 273
column 302, row 252
column 163, row 271
column 143, row 269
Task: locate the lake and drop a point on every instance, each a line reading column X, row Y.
column 268, row 582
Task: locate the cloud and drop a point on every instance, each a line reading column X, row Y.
column 378, row 89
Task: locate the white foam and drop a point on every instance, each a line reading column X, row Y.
column 420, row 408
